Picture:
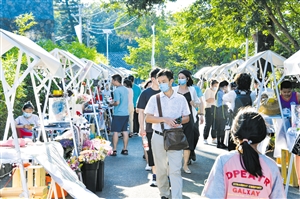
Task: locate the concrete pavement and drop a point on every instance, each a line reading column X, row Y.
column 125, row 176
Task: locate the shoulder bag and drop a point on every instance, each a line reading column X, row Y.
column 174, row 138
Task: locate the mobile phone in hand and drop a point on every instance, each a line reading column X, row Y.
column 178, row 120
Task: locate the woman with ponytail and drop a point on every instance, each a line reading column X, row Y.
column 245, row 172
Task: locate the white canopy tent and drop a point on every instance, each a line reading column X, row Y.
column 292, row 65
column 42, row 67
column 215, row 74
column 73, row 67
column 276, row 62
column 37, row 59
column 227, row 72
column 199, row 74
column 208, row 73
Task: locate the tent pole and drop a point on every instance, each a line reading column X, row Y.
column 38, row 104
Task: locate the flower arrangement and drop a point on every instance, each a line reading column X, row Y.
column 92, row 151
column 89, row 156
column 98, row 144
column 74, row 163
column 68, row 146
column 83, row 99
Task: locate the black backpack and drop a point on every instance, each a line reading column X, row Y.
column 242, row 100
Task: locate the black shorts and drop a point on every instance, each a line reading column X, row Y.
column 119, row 123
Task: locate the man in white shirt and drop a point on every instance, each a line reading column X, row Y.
column 169, row 162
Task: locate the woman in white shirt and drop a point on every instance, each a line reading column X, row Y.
column 186, row 89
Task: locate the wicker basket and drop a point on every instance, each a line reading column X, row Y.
column 269, row 106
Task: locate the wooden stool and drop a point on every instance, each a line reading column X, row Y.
column 35, row 177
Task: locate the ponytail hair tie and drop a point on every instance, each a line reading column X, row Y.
column 248, row 141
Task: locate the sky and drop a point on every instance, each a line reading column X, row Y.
column 171, row 6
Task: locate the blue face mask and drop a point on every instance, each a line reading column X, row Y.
column 27, row 115
column 164, row 87
column 181, row 81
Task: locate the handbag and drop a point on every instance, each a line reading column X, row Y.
column 174, row 138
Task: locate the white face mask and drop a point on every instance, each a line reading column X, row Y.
column 215, row 88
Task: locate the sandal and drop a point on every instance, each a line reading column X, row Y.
column 124, row 152
column 114, row 153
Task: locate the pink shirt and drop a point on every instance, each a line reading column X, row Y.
column 228, row 179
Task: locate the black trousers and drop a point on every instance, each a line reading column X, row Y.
column 136, row 125
column 209, row 118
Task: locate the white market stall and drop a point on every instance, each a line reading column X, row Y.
column 48, row 155
column 227, row 72
column 292, row 65
column 276, row 62
column 292, row 68
column 97, row 73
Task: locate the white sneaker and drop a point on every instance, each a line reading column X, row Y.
column 214, row 141
column 153, row 183
column 205, row 142
column 148, row 168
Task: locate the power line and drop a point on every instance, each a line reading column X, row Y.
column 121, row 26
column 110, row 20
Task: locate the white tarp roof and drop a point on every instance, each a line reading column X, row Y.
column 271, row 57
column 208, row 73
column 292, row 64
column 201, row 72
column 96, row 71
column 73, row 67
column 229, row 69
column 9, row 40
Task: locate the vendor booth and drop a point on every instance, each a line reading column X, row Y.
column 42, row 68
column 229, row 70
column 292, row 68
column 281, row 122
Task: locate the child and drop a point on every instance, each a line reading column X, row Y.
column 244, row 172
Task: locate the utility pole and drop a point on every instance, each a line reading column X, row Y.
column 88, row 33
column 78, row 28
column 80, row 23
column 153, row 47
column 107, row 32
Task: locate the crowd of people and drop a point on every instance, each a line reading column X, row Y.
column 135, row 111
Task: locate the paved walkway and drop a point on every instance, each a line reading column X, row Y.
column 125, row 176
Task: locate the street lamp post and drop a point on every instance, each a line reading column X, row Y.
column 153, row 47
column 107, row 32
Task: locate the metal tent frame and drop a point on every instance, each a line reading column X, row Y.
column 37, row 59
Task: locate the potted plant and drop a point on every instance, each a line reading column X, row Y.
column 91, row 162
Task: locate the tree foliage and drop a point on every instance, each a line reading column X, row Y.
column 24, row 22
column 140, row 7
column 64, row 21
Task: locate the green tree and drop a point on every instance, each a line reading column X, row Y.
column 24, row 22
column 64, row 21
column 230, row 22
column 139, row 7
